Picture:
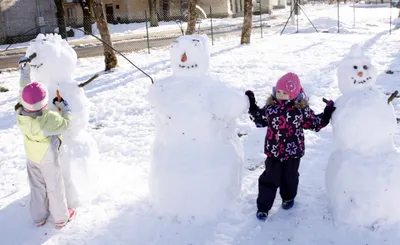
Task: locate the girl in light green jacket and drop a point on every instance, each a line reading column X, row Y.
column 39, row 126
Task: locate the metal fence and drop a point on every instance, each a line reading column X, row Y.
column 138, row 31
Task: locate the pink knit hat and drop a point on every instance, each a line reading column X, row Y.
column 290, row 83
column 34, row 97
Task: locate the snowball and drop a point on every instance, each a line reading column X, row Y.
column 197, row 157
column 364, row 122
column 190, row 55
column 363, row 191
column 356, row 71
column 55, row 60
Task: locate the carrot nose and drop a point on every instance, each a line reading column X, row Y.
column 184, row 57
column 360, row 74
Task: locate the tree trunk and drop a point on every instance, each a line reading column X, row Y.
column 153, row 13
column 87, row 6
column 191, row 22
column 109, row 56
column 165, row 7
column 62, row 30
column 247, row 20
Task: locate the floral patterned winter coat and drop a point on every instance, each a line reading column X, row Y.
column 285, row 121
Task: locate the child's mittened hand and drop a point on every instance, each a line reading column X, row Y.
column 23, row 62
column 330, row 103
column 329, row 108
column 251, row 97
column 62, row 104
column 24, row 69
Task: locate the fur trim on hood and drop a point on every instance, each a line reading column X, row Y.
column 298, row 104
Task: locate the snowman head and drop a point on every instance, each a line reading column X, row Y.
column 190, row 55
column 356, row 71
column 55, row 60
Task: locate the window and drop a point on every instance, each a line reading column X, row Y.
column 71, row 13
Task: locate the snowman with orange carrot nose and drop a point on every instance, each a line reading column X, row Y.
column 197, row 157
column 362, row 180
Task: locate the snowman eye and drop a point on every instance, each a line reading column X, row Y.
column 365, row 67
column 355, row 67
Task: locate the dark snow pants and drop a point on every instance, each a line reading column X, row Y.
column 282, row 174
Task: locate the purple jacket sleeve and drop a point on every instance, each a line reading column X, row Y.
column 259, row 116
column 312, row 121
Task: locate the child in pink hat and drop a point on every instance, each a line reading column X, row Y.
column 286, row 114
column 39, row 127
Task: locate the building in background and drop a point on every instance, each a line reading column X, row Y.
column 127, row 11
column 17, row 17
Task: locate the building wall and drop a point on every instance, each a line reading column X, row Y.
column 21, row 15
column 134, row 10
column 3, row 33
column 77, row 13
column 120, row 9
column 220, row 8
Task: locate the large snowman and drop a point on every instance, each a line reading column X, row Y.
column 54, row 66
column 362, row 177
column 197, row 157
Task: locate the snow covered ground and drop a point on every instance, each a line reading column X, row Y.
column 122, row 124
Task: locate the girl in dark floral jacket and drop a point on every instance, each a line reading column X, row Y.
column 286, row 114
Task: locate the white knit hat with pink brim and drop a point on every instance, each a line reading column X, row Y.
column 34, row 97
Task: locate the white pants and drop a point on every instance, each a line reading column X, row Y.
column 47, row 186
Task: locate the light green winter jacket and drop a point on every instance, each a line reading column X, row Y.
column 37, row 126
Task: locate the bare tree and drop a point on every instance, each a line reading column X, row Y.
column 109, row 56
column 247, row 20
column 191, row 22
column 62, row 30
column 153, row 13
column 87, row 6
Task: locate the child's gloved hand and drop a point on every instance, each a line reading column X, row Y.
column 252, row 99
column 62, row 105
column 329, row 109
column 23, row 61
column 24, row 69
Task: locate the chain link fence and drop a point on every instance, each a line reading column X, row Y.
column 130, row 32
column 144, row 30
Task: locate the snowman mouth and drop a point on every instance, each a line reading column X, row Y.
column 360, row 81
column 36, row 66
column 188, row 66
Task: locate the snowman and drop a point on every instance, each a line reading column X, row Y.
column 54, row 65
column 197, row 157
column 362, row 180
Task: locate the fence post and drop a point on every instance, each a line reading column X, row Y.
column 390, row 21
column 212, row 31
column 261, row 23
column 147, row 32
column 354, row 13
column 338, row 21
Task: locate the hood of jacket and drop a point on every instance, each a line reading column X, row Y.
column 30, row 122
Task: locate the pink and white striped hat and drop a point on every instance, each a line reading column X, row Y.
column 34, row 97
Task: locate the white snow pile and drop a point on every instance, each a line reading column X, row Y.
column 197, row 158
column 54, row 66
column 362, row 177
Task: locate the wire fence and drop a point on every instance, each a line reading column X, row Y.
column 145, row 30
column 130, row 32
